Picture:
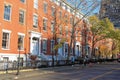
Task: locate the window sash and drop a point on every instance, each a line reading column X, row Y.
column 52, row 26
column 36, row 4
column 53, row 11
column 7, row 11
column 21, row 16
column 5, row 40
column 35, row 20
column 44, row 45
column 45, row 8
column 52, row 46
column 44, row 24
column 60, row 29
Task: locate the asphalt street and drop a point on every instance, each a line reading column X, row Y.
column 109, row 71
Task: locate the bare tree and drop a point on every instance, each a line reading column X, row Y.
column 81, row 10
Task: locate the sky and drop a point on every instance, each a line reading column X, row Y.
column 84, row 5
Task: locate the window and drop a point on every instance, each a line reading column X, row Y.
column 44, row 24
column 53, row 11
column 21, row 16
column 52, row 46
column 60, row 29
column 66, row 18
column 66, row 7
column 71, row 10
column 23, row 1
column 7, row 12
column 71, row 20
column 60, row 14
column 20, row 42
column 5, row 59
column 52, row 26
column 45, row 7
column 44, row 46
column 66, row 31
column 35, row 21
column 36, row 4
column 66, row 48
column 5, row 40
column 60, row 3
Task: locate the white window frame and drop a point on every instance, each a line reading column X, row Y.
column 36, row 4
column 60, row 29
column 7, row 14
column 35, row 20
column 45, row 5
column 53, row 11
column 52, row 26
column 20, row 11
column 45, row 24
column 9, row 32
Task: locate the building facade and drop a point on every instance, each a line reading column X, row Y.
column 111, row 9
column 30, row 27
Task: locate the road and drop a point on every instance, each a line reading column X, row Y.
column 109, row 71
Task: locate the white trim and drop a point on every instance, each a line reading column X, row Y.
column 44, row 39
column 22, row 34
column 21, row 9
column 7, row 31
column 45, row 18
column 11, row 56
column 6, row 3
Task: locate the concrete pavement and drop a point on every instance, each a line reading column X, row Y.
column 35, row 72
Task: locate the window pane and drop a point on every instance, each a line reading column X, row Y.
column 52, row 45
column 35, row 21
column 53, row 11
column 44, row 46
column 44, row 24
column 21, row 16
column 22, row 1
column 45, row 8
column 36, row 4
column 7, row 11
column 5, row 40
column 52, row 26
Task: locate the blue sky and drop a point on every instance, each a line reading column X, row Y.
column 89, row 3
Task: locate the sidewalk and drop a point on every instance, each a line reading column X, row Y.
column 11, row 75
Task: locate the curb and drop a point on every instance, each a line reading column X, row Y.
column 14, row 71
column 31, row 75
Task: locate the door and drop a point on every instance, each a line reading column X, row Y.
column 35, row 46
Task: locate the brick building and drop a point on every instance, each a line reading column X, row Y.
column 27, row 26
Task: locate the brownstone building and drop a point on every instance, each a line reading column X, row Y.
column 29, row 26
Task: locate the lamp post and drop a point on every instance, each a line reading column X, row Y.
column 18, row 64
column 19, row 47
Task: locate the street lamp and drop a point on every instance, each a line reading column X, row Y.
column 19, row 47
column 18, row 65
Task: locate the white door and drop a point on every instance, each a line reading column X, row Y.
column 35, row 46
